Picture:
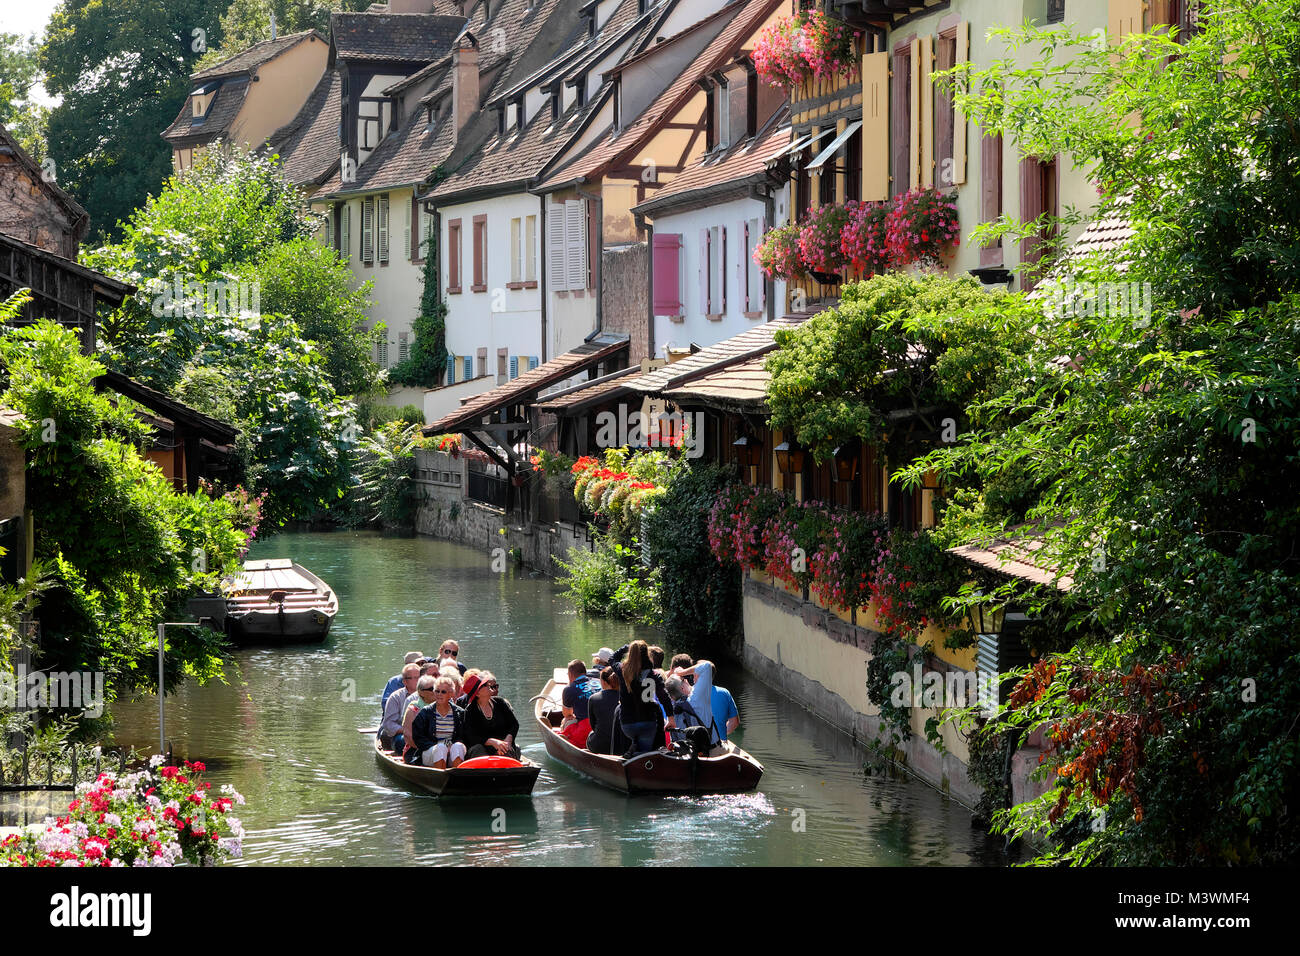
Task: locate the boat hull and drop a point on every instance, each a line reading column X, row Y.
column 276, row 601
column 477, row 782
column 728, row 769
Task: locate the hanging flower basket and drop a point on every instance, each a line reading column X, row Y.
column 921, row 227
column 819, row 242
column 863, row 240
column 810, row 44
column 778, row 253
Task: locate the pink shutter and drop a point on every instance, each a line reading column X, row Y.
column 991, row 192
column 667, row 274
column 722, row 271
column 762, row 279
column 1031, row 207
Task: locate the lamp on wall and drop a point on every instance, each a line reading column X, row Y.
column 847, row 457
column 987, row 618
column 789, row 457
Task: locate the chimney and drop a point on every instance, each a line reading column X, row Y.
column 464, row 83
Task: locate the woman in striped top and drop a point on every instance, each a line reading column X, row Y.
column 439, row 729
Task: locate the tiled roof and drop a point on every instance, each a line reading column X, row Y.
column 1015, row 557
column 254, row 56
column 743, row 383
column 309, row 144
column 605, row 387
column 745, row 345
column 744, row 162
column 188, row 129
column 744, row 19
column 404, row 158
column 1105, row 236
column 527, row 385
column 409, row 37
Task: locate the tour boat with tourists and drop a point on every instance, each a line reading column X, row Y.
column 477, row 777
column 726, row 768
column 273, row 601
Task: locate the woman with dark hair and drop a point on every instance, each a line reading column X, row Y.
column 490, row 724
column 640, row 685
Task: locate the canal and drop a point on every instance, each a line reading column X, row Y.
column 283, row 731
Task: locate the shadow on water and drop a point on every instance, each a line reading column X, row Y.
column 284, row 733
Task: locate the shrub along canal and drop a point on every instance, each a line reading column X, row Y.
column 284, row 733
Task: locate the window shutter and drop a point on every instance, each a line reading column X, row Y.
column 958, row 117
column 759, row 278
column 453, row 254
column 480, row 247
column 704, row 271
column 1031, row 207
column 367, row 230
column 383, row 228
column 875, row 127
column 451, row 369
column 533, row 362
column 406, row 230
column 914, row 117
column 329, row 230
column 346, row 228
column 927, row 112
column 991, row 193
column 742, row 266
column 900, row 124
column 530, row 249
column 468, row 362
column 514, row 366
column 575, row 244
column 666, row 274
column 557, row 276
column 1124, row 17
column 722, row 271
column 423, row 251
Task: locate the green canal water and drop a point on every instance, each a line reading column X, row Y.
column 283, row 731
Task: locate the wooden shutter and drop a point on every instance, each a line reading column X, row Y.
column 722, row 271
column 480, row 248
column 345, row 229
column 666, row 283
column 533, row 362
column 367, row 230
column 900, row 122
column 468, row 362
column 875, row 127
column 514, row 366
column 1124, row 17
column 926, row 150
column 742, row 265
column 408, row 218
column 758, row 274
column 991, row 192
column 704, row 272
column 383, row 228
column 1032, row 190
column 451, row 369
column 914, row 117
column 453, row 255
column 575, row 244
column 958, row 117
column 557, row 276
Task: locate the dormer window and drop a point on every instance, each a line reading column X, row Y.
column 580, row 90
column 201, row 99
column 722, row 112
column 501, row 121
column 555, row 103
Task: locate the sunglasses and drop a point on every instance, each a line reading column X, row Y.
column 492, row 685
column 446, row 653
column 442, row 692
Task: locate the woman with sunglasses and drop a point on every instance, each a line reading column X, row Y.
column 490, row 723
column 451, row 649
column 438, row 731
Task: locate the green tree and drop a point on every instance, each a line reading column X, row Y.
column 25, row 119
column 1164, row 445
column 427, row 363
column 122, row 68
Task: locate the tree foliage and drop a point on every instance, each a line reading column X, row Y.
column 23, row 117
column 427, row 363
column 122, row 69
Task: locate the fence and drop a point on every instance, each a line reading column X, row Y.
column 63, row 768
column 557, row 506
column 488, row 489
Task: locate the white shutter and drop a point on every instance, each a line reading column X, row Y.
column 575, row 243
column 425, row 221
column 383, row 228
column 367, row 230
column 406, row 231
column 556, row 278
column 722, row 272
column 742, row 268
column 530, row 249
column 345, row 241
column 704, row 271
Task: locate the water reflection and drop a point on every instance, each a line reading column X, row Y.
column 284, row 732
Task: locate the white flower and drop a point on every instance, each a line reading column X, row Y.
column 157, row 760
column 112, row 820
column 153, row 801
column 232, row 846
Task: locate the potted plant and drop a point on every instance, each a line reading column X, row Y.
column 922, row 227
column 778, row 253
column 819, row 242
column 864, row 240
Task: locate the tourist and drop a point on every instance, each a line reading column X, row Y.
column 490, row 723
column 439, row 730
column 599, row 661
column 395, row 682
column 657, row 657
column 606, row 735
column 680, row 691
column 574, row 700
column 642, row 716
column 665, row 702
column 722, row 705
column 390, row 729
column 422, row 697
column 462, row 700
column 451, row 649
column 455, row 680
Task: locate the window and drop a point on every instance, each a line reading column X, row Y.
column 403, row 346
column 751, row 286
column 1055, row 11
column 713, row 275
column 901, row 125
column 666, row 280
column 516, row 253
column 950, row 123
column 453, row 256
column 530, row 251
column 383, row 229
column 503, row 360
column 426, row 225
column 482, row 362
column 480, row 254
column 722, row 113
column 368, row 230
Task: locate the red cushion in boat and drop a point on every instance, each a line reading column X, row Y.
column 489, row 763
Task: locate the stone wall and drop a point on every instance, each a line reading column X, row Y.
column 625, row 282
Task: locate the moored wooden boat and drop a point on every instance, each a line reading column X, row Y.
column 466, row 781
column 278, row 601
column 727, row 768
